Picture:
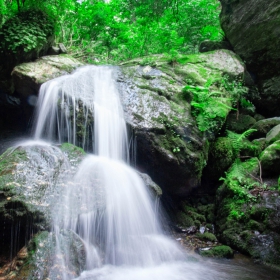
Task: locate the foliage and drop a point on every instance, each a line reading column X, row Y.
column 26, row 31
column 210, row 106
column 98, row 31
column 239, row 94
column 237, row 139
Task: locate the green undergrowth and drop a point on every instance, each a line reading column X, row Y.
column 24, row 32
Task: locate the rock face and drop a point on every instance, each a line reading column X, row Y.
column 252, row 28
column 26, row 192
column 28, row 77
column 169, row 146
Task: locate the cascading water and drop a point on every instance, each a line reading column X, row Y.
column 106, row 205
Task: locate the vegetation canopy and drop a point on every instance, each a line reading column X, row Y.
column 117, row 30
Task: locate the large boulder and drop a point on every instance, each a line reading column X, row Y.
column 169, row 146
column 251, row 26
column 31, row 176
column 270, row 159
column 28, row 77
column 168, row 143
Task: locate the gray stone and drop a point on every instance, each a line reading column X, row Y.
column 170, row 148
column 28, row 77
column 263, row 127
column 273, row 135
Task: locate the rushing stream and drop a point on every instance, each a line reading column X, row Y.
column 105, row 204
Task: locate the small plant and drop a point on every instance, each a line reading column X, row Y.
column 238, row 93
column 210, row 107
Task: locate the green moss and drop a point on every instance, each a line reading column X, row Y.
column 184, row 220
column 207, row 236
column 73, row 152
column 218, row 252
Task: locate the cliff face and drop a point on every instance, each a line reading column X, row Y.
column 252, row 28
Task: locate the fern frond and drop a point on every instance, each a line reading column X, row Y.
column 237, row 171
column 246, row 133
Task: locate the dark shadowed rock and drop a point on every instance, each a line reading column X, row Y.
column 207, row 46
column 252, row 28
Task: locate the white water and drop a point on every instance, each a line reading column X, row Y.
column 106, row 204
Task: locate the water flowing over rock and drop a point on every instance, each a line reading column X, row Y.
column 31, row 178
column 99, row 220
column 28, row 77
column 251, row 26
column 168, row 145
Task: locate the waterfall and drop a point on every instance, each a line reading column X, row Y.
column 106, row 204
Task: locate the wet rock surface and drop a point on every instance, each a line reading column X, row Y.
column 26, row 192
column 28, row 77
column 169, row 146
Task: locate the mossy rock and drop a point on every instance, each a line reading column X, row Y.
column 184, row 220
column 42, row 253
column 208, row 212
column 263, row 127
column 192, row 212
column 28, row 77
column 273, row 135
column 240, row 124
column 26, row 191
column 218, row 252
column 270, row 159
column 247, row 219
column 221, row 156
column 251, row 149
column 207, row 236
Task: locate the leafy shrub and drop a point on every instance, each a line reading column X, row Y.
column 26, row 31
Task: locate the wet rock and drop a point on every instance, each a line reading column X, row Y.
column 26, row 195
column 150, row 184
column 28, row 77
column 241, row 21
column 191, row 230
column 169, row 146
